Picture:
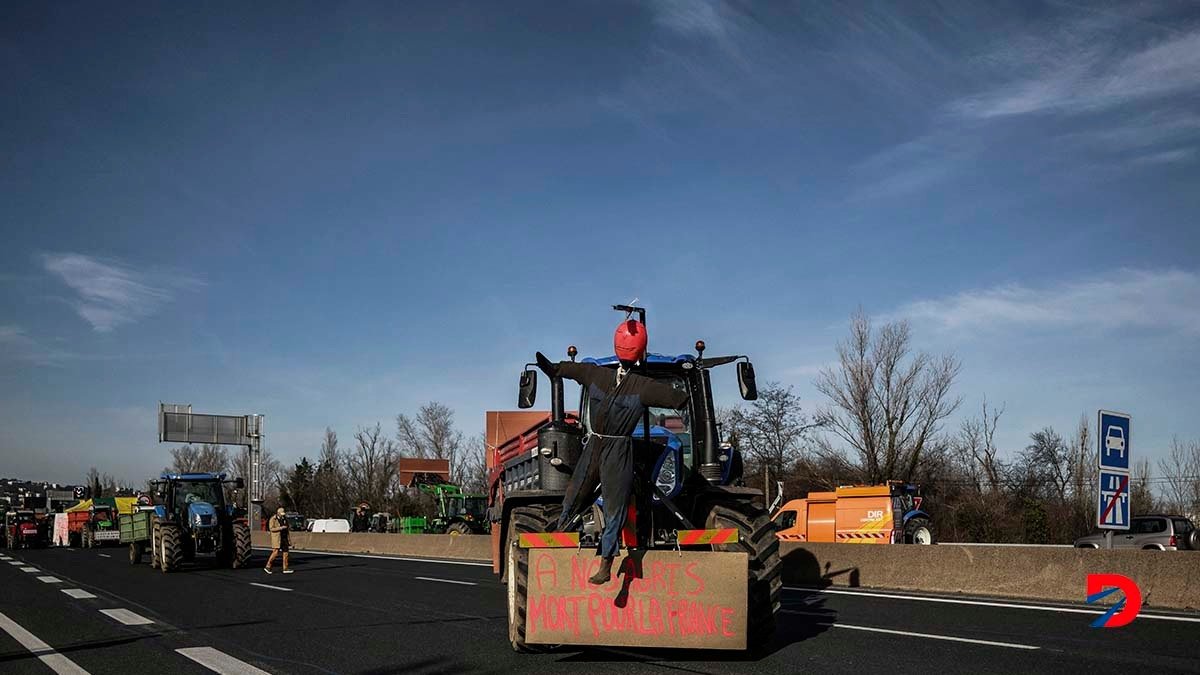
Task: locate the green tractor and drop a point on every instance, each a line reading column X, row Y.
column 458, row 513
column 191, row 518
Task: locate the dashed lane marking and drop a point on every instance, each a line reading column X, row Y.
column 126, row 617
column 274, row 588
column 988, row 603
column 105, row 555
column 891, row 631
column 50, row 580
column 45, row 653
column 29, row 570
column 220, row 662
column 78, row 593
column 447, row 581
column 16, row 562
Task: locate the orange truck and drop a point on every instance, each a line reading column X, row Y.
column 857, row 514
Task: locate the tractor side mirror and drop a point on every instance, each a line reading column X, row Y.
column 528, row 389
column 239, row 483
column 745, row 372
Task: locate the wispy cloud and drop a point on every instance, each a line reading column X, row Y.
column 1164, row 300
column 18, row 345
column 111, row 293
column 1087, row 70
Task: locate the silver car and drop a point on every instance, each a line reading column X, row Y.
column 1154, row 532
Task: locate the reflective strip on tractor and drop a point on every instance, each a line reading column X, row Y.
column 725, row 535
column 864, row 535
column 549, row 540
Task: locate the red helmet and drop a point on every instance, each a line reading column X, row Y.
column 630, row 341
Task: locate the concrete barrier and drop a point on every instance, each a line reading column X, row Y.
column 463, row 547
column 1168, row 579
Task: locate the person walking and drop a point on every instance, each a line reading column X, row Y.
column 361, row 519
column 278, row 526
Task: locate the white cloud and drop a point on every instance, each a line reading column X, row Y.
column 1163, row 300
column 16, row 344
column 694, row 18
column 111, row 293
column 1081, row 74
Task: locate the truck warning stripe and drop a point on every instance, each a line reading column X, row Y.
column 549, row 539
column 863, row 535
column 724, row 535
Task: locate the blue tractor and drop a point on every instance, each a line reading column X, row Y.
column 191, row 518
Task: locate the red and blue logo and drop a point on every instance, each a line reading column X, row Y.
column 1123, row 611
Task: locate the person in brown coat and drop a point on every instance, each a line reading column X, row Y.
column 278, row 526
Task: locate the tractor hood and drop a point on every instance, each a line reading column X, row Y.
column 202, row 514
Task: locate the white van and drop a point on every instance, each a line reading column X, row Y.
column 330, row 525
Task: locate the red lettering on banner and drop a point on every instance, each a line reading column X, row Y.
column 546, row 568
column 690, row 570
column 726, row 621
column 656, row 622
column 671, row 569
column 536, row 610
column 710, row 619
column 595, row 612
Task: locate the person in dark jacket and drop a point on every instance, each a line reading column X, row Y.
column 361, row 522
column 617, row 402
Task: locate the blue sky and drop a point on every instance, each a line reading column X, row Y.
column 329, row 215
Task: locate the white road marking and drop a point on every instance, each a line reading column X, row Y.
column 45, row 653
column 105, row 555
column 220, row 662
column 50, row 580
column 78, row 593
column 931, row 636
column 126, row 617
column 16, row 562
column 274, row 588
column 29, row 569
column 988, row 603
column 448, row 581
column 391, row 557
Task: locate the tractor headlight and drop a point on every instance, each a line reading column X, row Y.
column 666, row 475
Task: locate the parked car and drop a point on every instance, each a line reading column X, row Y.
column 330, row 525
column 1152, row 532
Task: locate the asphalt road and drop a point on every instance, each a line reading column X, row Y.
column 360, row 614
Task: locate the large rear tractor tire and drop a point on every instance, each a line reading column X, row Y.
column 241, row 546
column 170, row 547
column 135, row 552
column 155, row 545
column 756, row 537
column 458, row 528
column 919, row 531
column 536, row 518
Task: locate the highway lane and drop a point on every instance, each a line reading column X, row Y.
column 352, row 614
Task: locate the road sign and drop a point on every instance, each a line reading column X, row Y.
column 1113, row 433
column 1112, row 508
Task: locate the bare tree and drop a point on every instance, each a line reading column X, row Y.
column 271, row 472
column 1141, row 495
column 473, row 472
column 205, row 458
column 1048, row 459
column 887, row 403
column 977, row 445
column 773, row 430
column 432, row 435
column 95, row 488
column 1181, row 477
column 330, row 479
column 371, row 467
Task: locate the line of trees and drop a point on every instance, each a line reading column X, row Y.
column 885, row 418
column 367, row 471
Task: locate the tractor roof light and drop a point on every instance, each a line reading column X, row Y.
column 700, row 347
column 572, row 352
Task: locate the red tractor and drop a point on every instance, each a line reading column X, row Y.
column 23, row 530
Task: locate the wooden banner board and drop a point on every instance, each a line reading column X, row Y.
column 690, row 599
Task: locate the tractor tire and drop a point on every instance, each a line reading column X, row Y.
column 534, row 518
column 135, row 553
column 756, row 537
column 241, row 546
column 88, row 542
column 919, row 531
column 458, row 528
column 170, row 547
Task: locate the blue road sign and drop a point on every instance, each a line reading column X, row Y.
column 1112, row 509
column 1113, row 433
